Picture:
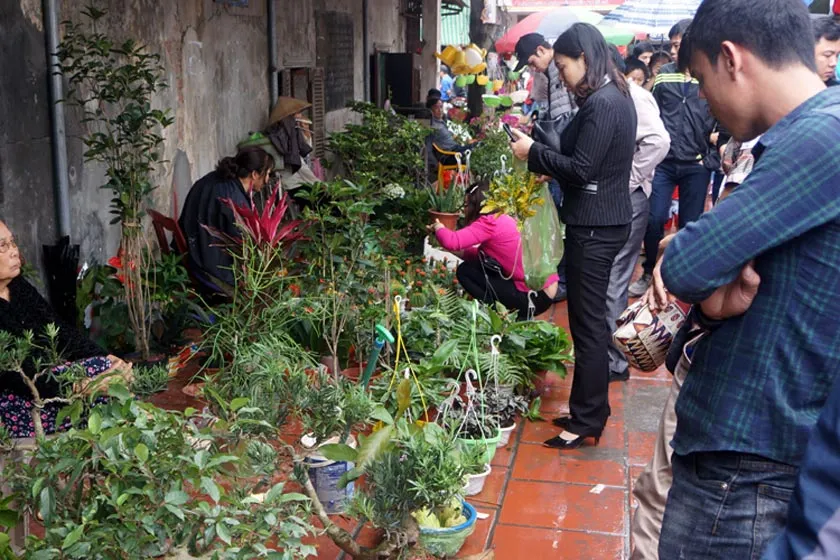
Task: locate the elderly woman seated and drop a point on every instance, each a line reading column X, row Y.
column 23, row 309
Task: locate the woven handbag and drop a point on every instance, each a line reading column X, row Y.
column 644, row 336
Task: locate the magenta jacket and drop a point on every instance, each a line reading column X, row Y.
column 497, row 237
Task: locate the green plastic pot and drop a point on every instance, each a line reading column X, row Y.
column 492, row 100
column 447, row 541
column 461, row 81
column 489, row 445
column 470, row 78
column 506, row 101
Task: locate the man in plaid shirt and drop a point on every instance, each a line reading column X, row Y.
column 764, row 268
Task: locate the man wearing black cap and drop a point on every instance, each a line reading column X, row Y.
column 534, row 51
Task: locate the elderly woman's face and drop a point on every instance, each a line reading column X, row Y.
column 9, row 255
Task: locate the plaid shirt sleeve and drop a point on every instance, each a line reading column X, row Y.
column 790, row 192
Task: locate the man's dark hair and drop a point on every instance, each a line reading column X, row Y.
column 431, row 101
column 826, row 28
column 585, row 39
column 659, row 56
column 679, row 28
column 778, row 32
column 633, row 63
column 641, row 48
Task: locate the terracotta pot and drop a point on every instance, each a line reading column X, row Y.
column 448, row 219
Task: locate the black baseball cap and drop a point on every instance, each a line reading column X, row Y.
column 527, row 46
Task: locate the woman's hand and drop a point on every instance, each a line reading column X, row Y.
column 119, row 370
column 522, row 146
column 432, row 228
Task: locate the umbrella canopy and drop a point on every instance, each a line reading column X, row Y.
column 550, row 24
column 655, row 17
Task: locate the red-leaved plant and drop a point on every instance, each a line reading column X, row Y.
column 265, row 229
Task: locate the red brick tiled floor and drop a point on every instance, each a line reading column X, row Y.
column 543, row 503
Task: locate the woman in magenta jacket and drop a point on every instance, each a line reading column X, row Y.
column 491, row 247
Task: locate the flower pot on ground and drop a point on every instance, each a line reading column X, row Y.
column 446, row 202
column 506, row 433
column 447, row 541
column 325, row 475
column 448, row 219
column 475, row 482
column 488, row 444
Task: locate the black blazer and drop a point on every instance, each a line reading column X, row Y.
column 594, row 166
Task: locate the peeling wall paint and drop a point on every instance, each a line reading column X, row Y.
column 216, row 61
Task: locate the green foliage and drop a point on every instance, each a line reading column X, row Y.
column 140, row 481
column 149, row 380
column 486, row 159
column 445, row 199
column 385, row 148
column 344, row 260
column 504, row 404
column 516, row 194
column 421, row 470
column 114, row 82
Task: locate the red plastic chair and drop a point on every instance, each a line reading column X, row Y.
column 164, row 224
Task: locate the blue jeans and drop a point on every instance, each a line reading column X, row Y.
column 693, row 180
column 726, row 506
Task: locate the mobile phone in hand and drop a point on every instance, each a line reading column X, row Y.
column 509, row 132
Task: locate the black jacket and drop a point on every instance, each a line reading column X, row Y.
column 204, row 207
column 687, row 117
column 25, row 311
column 594, row 166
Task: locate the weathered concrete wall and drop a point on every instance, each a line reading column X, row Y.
column 216, row 61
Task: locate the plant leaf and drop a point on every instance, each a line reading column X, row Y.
column 141, row 451
column 176, row 498
column 73, row 537
column 338, row 452
column 95, row 423
column 372, row 448
column 212, row 489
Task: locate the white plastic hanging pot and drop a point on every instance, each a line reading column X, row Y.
column 506, row 432
column 475, row 482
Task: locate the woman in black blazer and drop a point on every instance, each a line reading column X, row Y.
column 593, row 168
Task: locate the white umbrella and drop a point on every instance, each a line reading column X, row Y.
column 655, row 17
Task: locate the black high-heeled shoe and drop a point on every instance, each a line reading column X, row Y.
column 558, row 442
column 562, row 422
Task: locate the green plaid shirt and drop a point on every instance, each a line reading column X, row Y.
column 757, row 383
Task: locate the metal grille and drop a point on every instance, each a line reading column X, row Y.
column 318, row 112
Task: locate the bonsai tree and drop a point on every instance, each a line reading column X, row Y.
column 138, row 481
column 113, row 83
column 15, row 351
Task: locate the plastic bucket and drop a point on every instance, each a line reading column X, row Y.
column 448, row 541
column 475, row 482
column 325, row 475
column 489, row 445
column 506, row 432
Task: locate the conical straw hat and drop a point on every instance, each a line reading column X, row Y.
column 286, row 106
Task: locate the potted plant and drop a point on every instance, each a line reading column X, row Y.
column 506, row 406
column 172, row 498
column 475, row 469
column 114, row 83
column 473, row 425
column 446, row 203
column 413, row 491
